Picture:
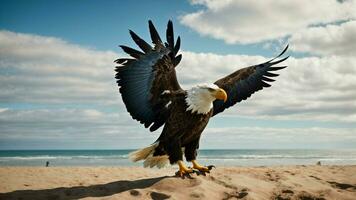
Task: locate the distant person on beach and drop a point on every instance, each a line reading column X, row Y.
column 47, row 164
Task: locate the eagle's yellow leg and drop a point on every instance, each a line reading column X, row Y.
column 183, row 170
column 199, row 167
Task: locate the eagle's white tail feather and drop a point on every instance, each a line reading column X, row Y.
column 159, row 161
column 147, row 155
column 142, row 154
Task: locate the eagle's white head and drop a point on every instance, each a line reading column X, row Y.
column 200, row 98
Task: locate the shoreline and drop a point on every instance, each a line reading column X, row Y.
column 218, row 157
column 264, row 182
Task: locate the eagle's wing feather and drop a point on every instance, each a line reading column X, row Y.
column 244, row 82
column 144, row 77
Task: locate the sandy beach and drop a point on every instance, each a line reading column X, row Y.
column 287, row 182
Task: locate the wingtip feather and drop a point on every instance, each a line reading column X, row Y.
column 170, row 34
column 156, row 39
column 279, row 61
column 140, row 42
column 284, row 50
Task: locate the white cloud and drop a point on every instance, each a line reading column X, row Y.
column 312, row 87
column 89, row 128
column 37, row 69
column 326, row 40
column 243, row 21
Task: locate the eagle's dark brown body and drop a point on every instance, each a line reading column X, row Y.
column 183, row 129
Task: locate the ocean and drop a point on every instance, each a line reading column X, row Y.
column 238, row 157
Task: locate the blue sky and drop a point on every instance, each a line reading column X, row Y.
column 56, row 71
column 104, row 26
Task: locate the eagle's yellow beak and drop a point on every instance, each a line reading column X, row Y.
column 221, row 94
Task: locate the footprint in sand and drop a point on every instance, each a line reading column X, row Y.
column 134, row 193
column 305, row 195
column 288, row 191
column 197, row 195
column 315, row 177
column 285, row 193
column 343, row 186
column 159, row 196
column 236, row 194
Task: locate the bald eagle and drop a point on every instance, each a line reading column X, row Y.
column 153, row 96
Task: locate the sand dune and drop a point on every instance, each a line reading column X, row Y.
column 290, row 182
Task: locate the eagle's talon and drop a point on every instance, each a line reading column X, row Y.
column 202, row 173
column 184, row 174
column 210, row 167
column 183, row 170
column 202, row 169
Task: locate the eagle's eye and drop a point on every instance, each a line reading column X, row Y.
column 211, row 89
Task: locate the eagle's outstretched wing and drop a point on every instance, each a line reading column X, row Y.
column 144, row 77
column 244, row 82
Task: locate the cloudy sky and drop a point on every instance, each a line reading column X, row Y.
column 57, row 72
